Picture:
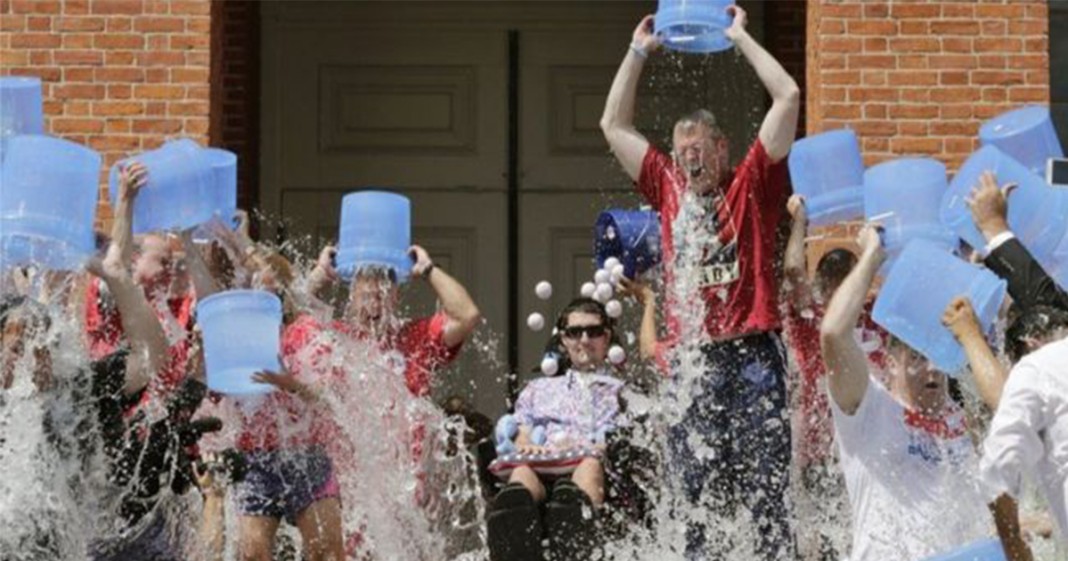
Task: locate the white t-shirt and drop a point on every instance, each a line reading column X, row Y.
column 1029, row 432
column 912, row 481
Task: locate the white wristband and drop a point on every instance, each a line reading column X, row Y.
column 638, row 50
column 997, row 241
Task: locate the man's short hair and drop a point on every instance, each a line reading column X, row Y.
column 1034, row 322
column 701, row 117
column 836, row 264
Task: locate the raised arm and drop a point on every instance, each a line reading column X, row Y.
column 131, row 179
column 779, row 128
column 847, row 364
column 462, row 313
column 203, row 282
column 1029, row 284
column 617, row 123
column 646, row 296
column 989, row 373
column 795, row 268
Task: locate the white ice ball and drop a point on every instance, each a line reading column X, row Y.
column 544, row 290
column 549, row 366
column 603, row 293
column 619, row 270
column 588, row 289
column 616, row 354
column 536, row 321
column 610, row 263
column 601, row 276
column 614, row 308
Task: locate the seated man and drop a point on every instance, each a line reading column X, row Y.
column 909, row 464
column 575, row 410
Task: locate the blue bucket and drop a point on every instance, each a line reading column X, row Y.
column 828, row 171
column 224, row 171
column 923, row 281
column 179, row 193
column 21, row 108
column 982, row 550
column 631, row 236
column 241, row 330
column 1025, row 134
column 1036, row 211
column 376, row 231
column 48, row 196
column 904, row 195
column 693, row 26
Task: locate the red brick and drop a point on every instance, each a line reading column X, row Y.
column 39, row 23
column 957, row 45
column 875, row 128
column 957, row 111
column 871, row 61
column 841, row 45
column 155, row 108
column 118, row 24
column 873, row 94
column 40, row 58
column 871, row 27
column 955, row 27
column 190, row 75
column 902, row 111
column 189, row 108
column 914, row 28
column 117, row 142
column 118, row 41
column 188, row 42
column 157, row 24
column 75, row 7
column 832, row 27
column 75, row 73
column 841, row 111
column 79, row 57
column 909, row 146
column 159, row 126
column 955, row 94
column 12, row 22
column 993, row 27
column 874, row 78
column 159, row 92
column 998, row 44
column 111, row 108
column 915, row 45
column 80, row 24
column 130, row 7
column 158, row 76
column 985, row 77
column 876, row 10
column 875, row 45
column 157, row 58
column 912, row 62
column 35, row 7
column 76, row 108
column 1028, row 94
column 60, row 125
column 77, row 41
column 921, row 11
column 912, row 128
column 1028, row 61
column 841, row 10
column 1039, row 45
column 846, row 77
column 960, row 146
column 119, row 74
column 194, row 7
column 953, row 62
column 1009, row 11
column 953, row 78
column 912, row 78
column 953, row 128
column 78, row 91
column 35, row 41
column 120, row 91
column 915, row 95
column 875, row 111
column 992, row 61
column 958, row 10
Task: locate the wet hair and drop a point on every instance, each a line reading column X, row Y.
column 376, row 271
column 701, row 117
column 11, row 304
column 555, row 345
column 1035, row 322
column 836, row 264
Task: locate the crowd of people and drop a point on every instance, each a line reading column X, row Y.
column 785, row 405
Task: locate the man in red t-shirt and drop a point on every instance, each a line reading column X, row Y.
column 718, row 232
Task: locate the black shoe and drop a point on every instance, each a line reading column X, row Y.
column 570, row 524
column 513, row 526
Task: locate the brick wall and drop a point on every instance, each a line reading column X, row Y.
column 918, row 77
column 120, row 76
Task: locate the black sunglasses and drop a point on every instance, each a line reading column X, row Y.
column 591, row 331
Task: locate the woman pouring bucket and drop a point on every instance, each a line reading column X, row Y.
column 291, row 475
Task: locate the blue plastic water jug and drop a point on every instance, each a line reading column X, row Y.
column 376, row 231
column 179, row 193
column 21, row 108
column 1025, row 134
column 922, row 282
column 828, row 171
column 241, row 330
column 48, row 198
column 982, row 550
column 632, row 236
column 693, row 26
column 1036, row 211
column 904, row 195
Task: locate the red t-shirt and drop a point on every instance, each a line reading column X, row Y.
column 813, row 427
column 740, row 285
column 306, row 348
column 103, row 328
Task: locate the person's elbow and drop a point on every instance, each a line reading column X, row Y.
column 468, row 319
column 790, row 95
column 833, row 333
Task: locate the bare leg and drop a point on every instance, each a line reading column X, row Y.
column 257, row 537
column 589, row 476
column 529, row 479
column 320, row 530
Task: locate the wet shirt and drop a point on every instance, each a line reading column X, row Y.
column 813, row 428
column 912, row 480
column 576, row 409
column 737, row 271
column 418, row 348
column 1029, row 433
